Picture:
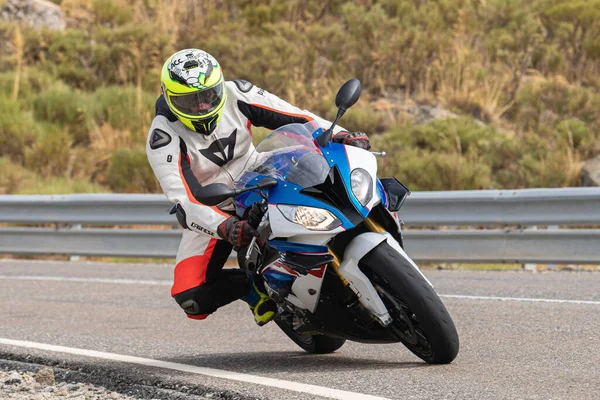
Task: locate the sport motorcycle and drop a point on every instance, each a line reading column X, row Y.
column 330, row 250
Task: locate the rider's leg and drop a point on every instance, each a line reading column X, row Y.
column 200, row 284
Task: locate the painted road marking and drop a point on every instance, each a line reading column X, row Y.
column 169, row 283
column 90, row 280
column 215, row 373
column 533, row 300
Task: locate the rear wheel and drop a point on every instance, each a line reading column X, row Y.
column 315, row 344
column 420, row 320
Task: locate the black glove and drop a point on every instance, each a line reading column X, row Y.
column 356, row 139
column 236, row 232
column 255, row 214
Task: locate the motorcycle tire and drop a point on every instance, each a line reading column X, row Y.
column 314, row 344
column 420, row 320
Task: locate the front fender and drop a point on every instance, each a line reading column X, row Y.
column 367, row 295
column 365, row 242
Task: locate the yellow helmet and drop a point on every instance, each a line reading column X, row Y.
column 193, row 85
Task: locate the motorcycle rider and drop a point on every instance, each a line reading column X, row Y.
column 202, row 134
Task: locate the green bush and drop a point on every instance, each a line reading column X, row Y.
column 59, row 185
column 66, row 107
column 14, row 176
column 445, row 154
column 110, row 13
column 118, row 106
column 461, row 154
column 554, row 98
column 362, row 118
column 17, row 130
column 130, row 171
column 50, row 153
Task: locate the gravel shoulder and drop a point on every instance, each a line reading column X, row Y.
column 37, row 381
column 21, row 385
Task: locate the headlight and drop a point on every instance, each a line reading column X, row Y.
column 362, row 185
column 314, row 219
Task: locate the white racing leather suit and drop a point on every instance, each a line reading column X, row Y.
column 184, row 160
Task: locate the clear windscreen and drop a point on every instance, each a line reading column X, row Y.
column 290, row 154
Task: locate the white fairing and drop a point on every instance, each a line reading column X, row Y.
column 306, row 289
column 307, row 284
column 359, row 158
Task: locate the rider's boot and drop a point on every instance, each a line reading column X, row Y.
column 263, row 307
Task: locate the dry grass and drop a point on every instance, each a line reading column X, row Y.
column 106, row 139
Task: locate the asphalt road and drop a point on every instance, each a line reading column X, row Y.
column 509, row 349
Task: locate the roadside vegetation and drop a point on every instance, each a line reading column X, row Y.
column 523, row 76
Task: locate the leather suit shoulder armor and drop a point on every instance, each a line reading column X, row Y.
column 243, row 86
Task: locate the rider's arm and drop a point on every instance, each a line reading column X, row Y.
column 267, row 110
column 167, row 154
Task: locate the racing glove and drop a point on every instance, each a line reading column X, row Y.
column 356, row 139
column 238, row 233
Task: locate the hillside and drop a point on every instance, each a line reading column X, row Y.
column 523, row 76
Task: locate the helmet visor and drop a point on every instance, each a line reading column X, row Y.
column 199, row 103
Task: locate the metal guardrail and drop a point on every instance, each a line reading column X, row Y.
column 89, row 209
column 478, row 246
column 525, row 207
column 566, row 207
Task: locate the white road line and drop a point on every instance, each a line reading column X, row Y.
column 91, row 280
column 169, row 283
column 460, row 296
column 216, row 373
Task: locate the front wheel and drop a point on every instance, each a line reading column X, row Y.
column 420, row 320
column 315, row 344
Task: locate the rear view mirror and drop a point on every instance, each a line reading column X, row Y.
column 216, row 193
column 346, row 97
column 348, row 94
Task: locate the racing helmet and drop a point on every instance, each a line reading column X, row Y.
column 193, row 86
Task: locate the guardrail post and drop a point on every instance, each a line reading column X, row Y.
column 530, row 266
column 553, row 267
column 75, row 227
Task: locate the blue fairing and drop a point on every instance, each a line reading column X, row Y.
column 382, row 193
column 292, row 155
column 283, row 246
column 285, row 193
column 335, row 154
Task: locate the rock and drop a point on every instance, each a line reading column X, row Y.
column 13, row 379
column 62, row 392
column 424, row 114
column 590, row 173
column 45, row 376
column 398, row 105
column 71, row 387
column 36, row 13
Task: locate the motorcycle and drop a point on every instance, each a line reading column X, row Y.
column 330, row 250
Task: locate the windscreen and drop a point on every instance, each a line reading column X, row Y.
column 290, row 154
